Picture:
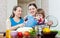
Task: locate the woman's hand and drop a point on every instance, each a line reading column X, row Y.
column 21, row 25
column 37, row 18
column 17, row 26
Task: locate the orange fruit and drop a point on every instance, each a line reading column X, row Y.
column 26, row 33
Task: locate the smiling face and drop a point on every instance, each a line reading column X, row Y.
column 32, row 10
column 18, row 12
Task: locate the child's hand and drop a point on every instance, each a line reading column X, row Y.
column 49, row 23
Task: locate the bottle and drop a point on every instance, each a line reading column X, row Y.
column 8, row 33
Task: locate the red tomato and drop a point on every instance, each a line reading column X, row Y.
column 20, row 34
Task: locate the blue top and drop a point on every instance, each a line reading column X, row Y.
column 31, row 21
column 13, row 23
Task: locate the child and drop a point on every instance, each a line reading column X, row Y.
column 40, row 16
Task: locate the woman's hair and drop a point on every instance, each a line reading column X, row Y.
column 41, row 11
column 32, row 4
column 14, row 9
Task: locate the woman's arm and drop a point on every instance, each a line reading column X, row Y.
column 17, row 26
column 8, row 24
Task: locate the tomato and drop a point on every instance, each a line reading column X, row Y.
column 20, row 34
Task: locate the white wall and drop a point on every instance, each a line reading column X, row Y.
column 38, row 3
column 5, row 11
column 10, row 5
column 54, row 9
column 44, row 6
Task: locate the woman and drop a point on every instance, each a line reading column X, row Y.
column 30, row 20
column 15, row 19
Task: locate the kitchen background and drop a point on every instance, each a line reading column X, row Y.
column 51, row 7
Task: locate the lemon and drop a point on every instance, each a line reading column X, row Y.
column 46, row 30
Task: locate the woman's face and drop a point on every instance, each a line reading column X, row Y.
column 32, row 10
column 18, row 12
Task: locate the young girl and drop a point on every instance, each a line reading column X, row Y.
column 40, row 15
